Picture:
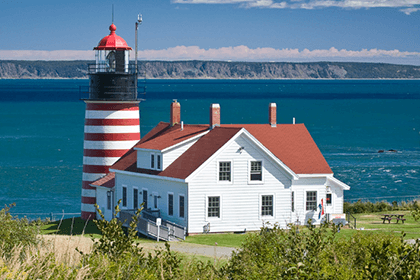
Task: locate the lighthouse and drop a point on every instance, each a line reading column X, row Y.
column 112, row 122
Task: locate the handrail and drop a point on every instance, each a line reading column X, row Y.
column 349, row 215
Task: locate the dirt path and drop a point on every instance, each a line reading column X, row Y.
column 65, row 244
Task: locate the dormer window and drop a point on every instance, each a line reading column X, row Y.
column 152, row 161
column 158, row 161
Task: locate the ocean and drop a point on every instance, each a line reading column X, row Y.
column 41, row 139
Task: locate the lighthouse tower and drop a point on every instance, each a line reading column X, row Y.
column 112, row 124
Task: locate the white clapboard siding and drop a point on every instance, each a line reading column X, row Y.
column 154, row 185
column 240, row 200
column 143, row 159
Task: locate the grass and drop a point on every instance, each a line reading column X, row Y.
column 223, row 239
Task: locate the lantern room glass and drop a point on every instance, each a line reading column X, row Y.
column 107, row 61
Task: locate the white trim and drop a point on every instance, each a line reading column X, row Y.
column 147, row 197
column 146, row 150
column 148, row 176
column 185, row 141
column 335, row 182
column 266, row 217
column 103, row 188
column 288, row 172
column 306, row 197
column 314, row 175
column 138, row 201
column 209, row 219
column 155, row 196
column 255, row 182
column 218, row 172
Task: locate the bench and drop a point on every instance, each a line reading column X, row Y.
column 387, row 219
column 400, row 219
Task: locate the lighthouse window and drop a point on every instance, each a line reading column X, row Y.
column 110, row 59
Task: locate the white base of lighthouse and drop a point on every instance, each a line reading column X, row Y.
column 111, row 129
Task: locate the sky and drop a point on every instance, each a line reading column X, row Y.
column 229, row 30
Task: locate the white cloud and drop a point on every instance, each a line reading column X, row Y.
column 238, row 53
column 406, row 6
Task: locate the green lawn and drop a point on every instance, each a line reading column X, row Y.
column 222, row 239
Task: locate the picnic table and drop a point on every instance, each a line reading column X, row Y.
column 389, row 217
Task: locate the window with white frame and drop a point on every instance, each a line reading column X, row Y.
column 225, row 171
column 267, row 205
column 311, row 200
column 256, row 171
column 152, row 161
column 124, row 196
column 170, row 204
column 181, row 206
column 213, row 208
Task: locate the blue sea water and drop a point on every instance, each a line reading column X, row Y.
column 41, row 138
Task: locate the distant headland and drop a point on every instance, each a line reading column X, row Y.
column 194, row 69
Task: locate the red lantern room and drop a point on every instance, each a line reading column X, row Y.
column 112, row 53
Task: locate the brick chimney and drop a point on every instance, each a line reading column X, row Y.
column 214, row 115
column 272, row 114
column 175, row 112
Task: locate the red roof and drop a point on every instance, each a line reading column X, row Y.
column 164, row 136
column 107, row 181
column 112, row 41
column 292, row 144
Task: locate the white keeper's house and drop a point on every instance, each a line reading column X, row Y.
column 224, row 177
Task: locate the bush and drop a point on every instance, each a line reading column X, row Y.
column 16, row 232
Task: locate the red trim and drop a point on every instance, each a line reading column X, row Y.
column 104, row 153
column 112, row 136
column 88, row 215
column 112, row 122
column 88, row 200
column 86, row 185
column 112, row 107
column 95, row 169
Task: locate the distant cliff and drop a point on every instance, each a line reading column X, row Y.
column 15, row 69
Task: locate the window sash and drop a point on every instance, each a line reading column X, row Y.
column 152, row 161
column 108, row 201
column 224, row 171
column 256, row 171
column 293, row 201
column 213, row 208
column 311, row 198
column 158, row 162
column 267, row 205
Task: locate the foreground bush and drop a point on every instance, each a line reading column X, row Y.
column 16, row 232
column 316, row 253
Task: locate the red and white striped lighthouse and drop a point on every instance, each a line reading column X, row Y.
column 112, row 122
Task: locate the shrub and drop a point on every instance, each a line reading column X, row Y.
column 16, row 232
